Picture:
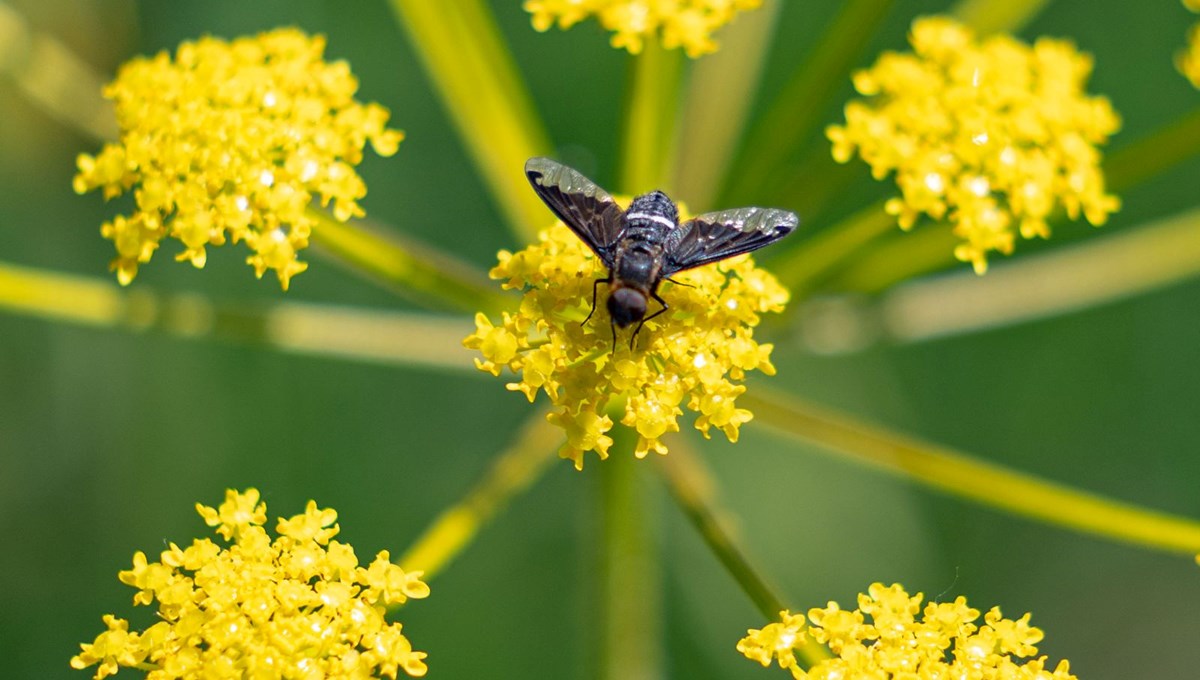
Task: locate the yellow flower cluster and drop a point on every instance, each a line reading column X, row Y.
column 682, row 23
column 944, row 640
column 234, row 141
column 697, row 353
column 1188, row 59
column 993, row 135
column 298, row 606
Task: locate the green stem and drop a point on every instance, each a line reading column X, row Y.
column 54, row 78
column 692, row 487
column 997, row 16
column 650, row 112
column 512, row 472
column 406, row 266
column 1088, row 274
column 975, row 480
column 813, row 182
column 709, row 134
column 792, row 119
column 897, row 257
column 473, row 70
column 356, row 334
column 801, row 268
column 1164, row 149
column 631, row 584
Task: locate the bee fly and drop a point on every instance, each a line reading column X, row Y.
column 646, row 244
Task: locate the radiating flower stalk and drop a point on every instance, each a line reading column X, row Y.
column 788, row 123
column 951, row 472
column 474, row 72
column 296, row 605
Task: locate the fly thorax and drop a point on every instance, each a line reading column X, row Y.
column 639, row 265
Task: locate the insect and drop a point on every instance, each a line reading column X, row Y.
column 646, row 244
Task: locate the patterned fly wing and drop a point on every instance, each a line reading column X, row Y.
column 715, row 236
column 584, row 207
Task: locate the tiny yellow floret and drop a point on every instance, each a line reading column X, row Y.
column 234, row 141
column 677, row 23
column 695, row 355
column 992, row 135
column 296, row 606
column 891, row 635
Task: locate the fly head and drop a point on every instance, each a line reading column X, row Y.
column 626, row 306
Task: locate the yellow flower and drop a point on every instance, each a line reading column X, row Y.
column 776, row 641
column 1188, row 59
column 993, row 135
column 234, row 141
column 299, row 605
column 695, row 355
column 678, row 23
column 890, row 635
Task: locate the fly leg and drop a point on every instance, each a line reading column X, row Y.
column 595, row 284
column 653, row 294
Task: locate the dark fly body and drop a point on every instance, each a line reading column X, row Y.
column 645, row 244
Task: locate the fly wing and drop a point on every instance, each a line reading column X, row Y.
column 582, row 205
column 715, row 236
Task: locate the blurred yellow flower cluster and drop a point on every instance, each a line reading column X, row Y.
column 697, row 353
column 993, row 135
column 944, row 640
column 298, row 606
column 1188, row 59
column 232, row 140
column 681, row 23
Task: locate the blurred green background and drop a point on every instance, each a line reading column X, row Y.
column 108, row 438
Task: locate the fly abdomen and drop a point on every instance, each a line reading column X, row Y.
column 650, row 217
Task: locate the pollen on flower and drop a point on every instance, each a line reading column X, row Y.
column 233, row 141
column 298, row 605
column 891, row 635
column 694, row 356
column 680, row 23
column 992, row 135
